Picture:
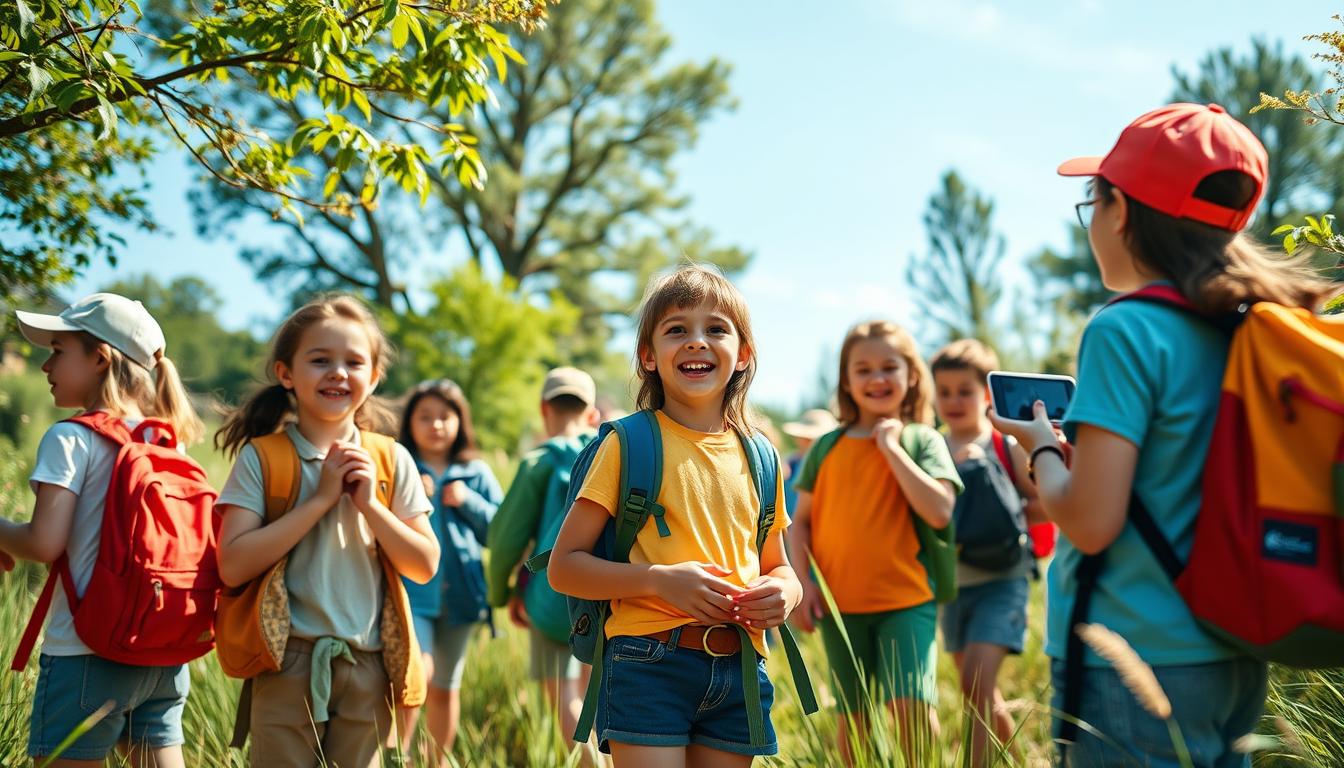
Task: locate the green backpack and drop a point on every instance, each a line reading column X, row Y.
column 937, row 548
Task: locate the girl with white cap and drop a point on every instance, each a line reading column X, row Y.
column 107, row 354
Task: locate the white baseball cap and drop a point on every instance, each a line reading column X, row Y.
column 117, row 320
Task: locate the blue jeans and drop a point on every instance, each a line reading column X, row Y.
column 661, row 695
column 147, row 704
column 1214, row 705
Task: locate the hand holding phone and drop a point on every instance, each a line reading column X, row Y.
column 1014, row 394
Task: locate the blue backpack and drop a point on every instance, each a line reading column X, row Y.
column 641, row 479
column 547, row 610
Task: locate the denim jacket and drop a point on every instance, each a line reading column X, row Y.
column 457, row 591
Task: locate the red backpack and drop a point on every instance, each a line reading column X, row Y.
column 151, row 598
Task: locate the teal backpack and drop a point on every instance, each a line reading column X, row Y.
column 641, row 479
column 937, row 548
column 547, row 610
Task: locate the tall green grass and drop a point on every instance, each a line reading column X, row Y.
column 504, row 717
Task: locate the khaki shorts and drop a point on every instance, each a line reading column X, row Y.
column 550, row 659
column 283, row 731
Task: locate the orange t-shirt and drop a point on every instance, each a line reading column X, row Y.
column 863, row 537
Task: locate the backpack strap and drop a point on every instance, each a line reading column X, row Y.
column 111, row 428
column 641, row 479
column 1087, row 577
column 1001, row 450
column 280, row 473
column 764, row 462
column 641, row 444
column 383, row 450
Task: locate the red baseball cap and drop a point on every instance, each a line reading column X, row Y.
column 1162, row 157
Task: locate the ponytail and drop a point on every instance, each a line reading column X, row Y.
column 262, row 414
column 172, row 404
column 128, row 386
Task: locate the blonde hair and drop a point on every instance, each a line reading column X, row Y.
column 271, row 406
column 918, row 403
column 965, row 355
column 696, row 285
column 159, row 393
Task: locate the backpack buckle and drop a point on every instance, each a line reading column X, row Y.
column 704, row 640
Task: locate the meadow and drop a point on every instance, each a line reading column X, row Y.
column 503, row 722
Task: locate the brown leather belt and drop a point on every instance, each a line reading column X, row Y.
column 718, row 640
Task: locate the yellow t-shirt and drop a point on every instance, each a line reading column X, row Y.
column 711, row 510
column 863, row 536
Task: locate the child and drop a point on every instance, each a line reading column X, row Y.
column 857, row 513
column 531, row 514
column 988, row 620
column 1166, row 205
column 331, row 695
column 674, row 691
column 436, row 428
column 107, row 354
column 812, row 424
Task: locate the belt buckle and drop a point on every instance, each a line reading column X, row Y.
column 704, row 640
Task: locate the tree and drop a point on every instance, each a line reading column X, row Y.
column 210, row 359
column 1312, row 107
column 956, row 283
column 1072, row 276
column 1300, row 160
column 495, row 344
column 71, row 73
column 579, row 151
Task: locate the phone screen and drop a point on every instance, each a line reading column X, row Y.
column 1014, row 396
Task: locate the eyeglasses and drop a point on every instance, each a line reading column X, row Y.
column 1084, row 211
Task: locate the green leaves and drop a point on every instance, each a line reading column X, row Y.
column 26, row 18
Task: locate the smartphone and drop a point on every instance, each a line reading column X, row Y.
column 1014, row 393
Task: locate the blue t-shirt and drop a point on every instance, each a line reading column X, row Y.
column 1151, row 374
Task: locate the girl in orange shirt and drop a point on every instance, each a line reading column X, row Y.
column 859, row 493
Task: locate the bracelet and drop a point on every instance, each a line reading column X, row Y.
column 1031, row 462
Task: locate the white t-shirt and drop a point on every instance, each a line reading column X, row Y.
column 73, row 457
column 334, row 579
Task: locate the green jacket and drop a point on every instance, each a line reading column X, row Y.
column 518, row 520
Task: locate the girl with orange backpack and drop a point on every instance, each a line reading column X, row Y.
column 1166, row 210
column 324, row 516
column 107, row 359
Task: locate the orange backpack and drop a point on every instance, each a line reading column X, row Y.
column 1266, row 569
column 252, row 623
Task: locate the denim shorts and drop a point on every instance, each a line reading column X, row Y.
column 994, row 613
column 1214, row 705
column 661, row 695
column 147, row 704
column 447, row 644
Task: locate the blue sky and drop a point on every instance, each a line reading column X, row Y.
column 846, row 120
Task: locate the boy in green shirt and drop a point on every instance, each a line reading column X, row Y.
column 527, row 521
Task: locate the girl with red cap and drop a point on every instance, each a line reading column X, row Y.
column 1167, row 206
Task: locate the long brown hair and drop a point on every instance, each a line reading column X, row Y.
column 695, row 285
column 158, row 393
column 1216, row 269
column 464, row 446
column 918, row 403
column 271, row 406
